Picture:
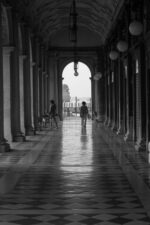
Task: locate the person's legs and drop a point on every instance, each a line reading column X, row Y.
column 54, row 118
column 85, row 121
column 82, row 121
column 50, row 121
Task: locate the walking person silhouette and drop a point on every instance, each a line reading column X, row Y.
column 52, row 113
column 83, row 114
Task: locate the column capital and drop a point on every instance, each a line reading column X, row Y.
column 19, row 137
column 32, row 63
column 23, row 56
column 44, row 73
column 8, row 49
column 8, row 7
column 4, row 146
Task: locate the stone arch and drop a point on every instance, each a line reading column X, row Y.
column 5, row 27
column 69, row 60
column 74, row 85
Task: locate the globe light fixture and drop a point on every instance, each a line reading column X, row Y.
column 122, row 46
column 97, row 76
column 73, row 34
column 76, row 68
column 113, row 55
column 76, row 73
column 136, row 28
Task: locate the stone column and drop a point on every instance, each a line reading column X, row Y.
column 36, row 96
column 28, row 94
column 96, row 109
column 113, row 111
column 148, row 102
column 21, row 87
column 102, row 99
column 4, row 96
column 7, row 93
column 92, row 94
column 119, row 101
column 109, row 100
column 48, row 90
column 126, row 74
column 45, row 92
column 56, row 81
column 41, row 91
column 51, row 77
column 106, row 98
column 138, row 111
column 17, row 96
column 60, row 108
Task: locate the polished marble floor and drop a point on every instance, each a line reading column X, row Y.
column 74, row 176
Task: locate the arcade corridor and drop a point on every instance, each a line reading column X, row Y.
column 74, row 176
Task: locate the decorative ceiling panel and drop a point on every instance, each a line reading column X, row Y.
column 49, row 17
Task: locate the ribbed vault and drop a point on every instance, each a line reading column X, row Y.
column 49, row 18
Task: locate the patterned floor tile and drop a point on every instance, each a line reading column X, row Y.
column 7, row 223
column 135, row 216
column 76, row 217
column 45, row 223
column 137, row 223
column 106, row 223
column 11, row 217
column 46, row 218
column 76, row 180
column 105, row 217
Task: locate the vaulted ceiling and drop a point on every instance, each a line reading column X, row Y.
column 50, row 19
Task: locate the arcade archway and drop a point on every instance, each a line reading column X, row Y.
column 76, row 89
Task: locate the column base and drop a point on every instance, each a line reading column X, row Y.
column 114, row 127
column 38, row 128
column 141, row 145
column 4, row 146
column 106, row 122
column 19, row 137
column 126, row 137
column 119, row 131
column 30, row 131
column 109, row 124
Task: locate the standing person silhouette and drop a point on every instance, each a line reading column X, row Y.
column 83, row 114
column 52, row 113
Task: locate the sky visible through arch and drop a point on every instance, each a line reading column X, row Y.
column 79, row 86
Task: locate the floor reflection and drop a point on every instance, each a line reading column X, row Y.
column 80, row 177
column 77, row 146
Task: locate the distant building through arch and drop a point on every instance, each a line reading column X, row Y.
column 79, row 88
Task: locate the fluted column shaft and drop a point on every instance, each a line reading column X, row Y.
column 28, row 86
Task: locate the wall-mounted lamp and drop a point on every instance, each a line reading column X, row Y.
column 97, row 76
column 76, row 69
column 136, row 28
column 122, row 46
column 73, row 34
column 113, row 55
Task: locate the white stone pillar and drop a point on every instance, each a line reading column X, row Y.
column 6, row 93
column 51, row 78
column 21, row 90
column 96, row 97
column 28, row 92
column 32, row 64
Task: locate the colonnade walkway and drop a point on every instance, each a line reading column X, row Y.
column 74, row 176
